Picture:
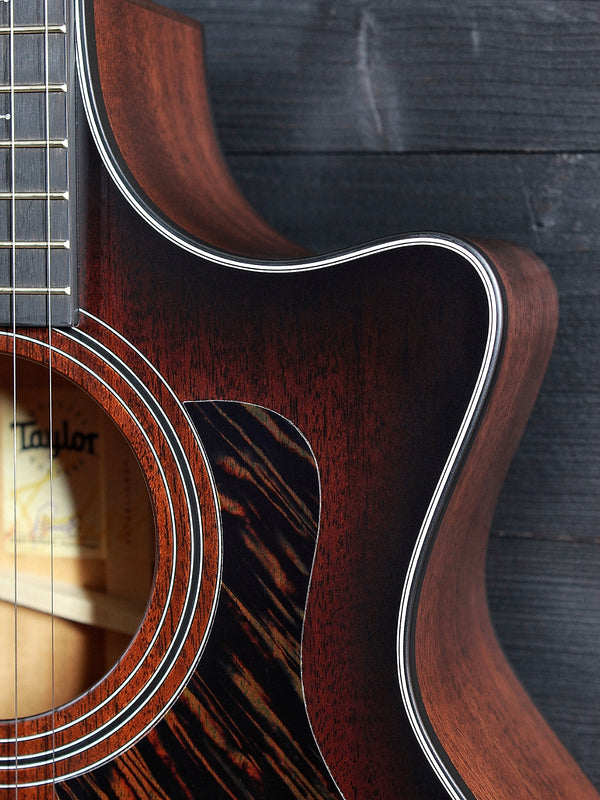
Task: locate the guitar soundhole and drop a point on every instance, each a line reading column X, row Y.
column 77, row 541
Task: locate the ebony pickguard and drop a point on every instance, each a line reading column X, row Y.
column 240, row 729
column 410, row 364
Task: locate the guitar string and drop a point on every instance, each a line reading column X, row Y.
column 14, row 278
column 50, row 383
column 13, row 267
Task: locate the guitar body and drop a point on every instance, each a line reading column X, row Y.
column 323, row 440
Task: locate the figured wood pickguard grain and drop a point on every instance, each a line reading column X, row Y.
column 240, row 730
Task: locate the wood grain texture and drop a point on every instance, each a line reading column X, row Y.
column 189, row 180
column 550, row 501
column 390, row 76
column 240, row 730
column 112, row 247
column 84, row 731
column 454, row 637
column 358, row 357
column 268, row 339
column 547, row 203
column 546, row 629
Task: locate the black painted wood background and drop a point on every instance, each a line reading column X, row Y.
column 345, row 121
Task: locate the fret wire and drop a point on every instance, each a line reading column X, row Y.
column 35, row 87
column 29, row 123
column 54, row 143
column 11, row 30
column 34, row 195
column 59, row 245
column 36, row 290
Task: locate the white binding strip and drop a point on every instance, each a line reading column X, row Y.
column 171, row 513
column 194, row 246
column 168, row 658
column 493, row 294
column 427, row 531
column 199, row 443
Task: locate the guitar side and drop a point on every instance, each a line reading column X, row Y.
column 525, row 340
column 410, row 366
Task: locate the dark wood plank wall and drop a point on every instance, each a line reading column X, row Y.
column 345, row 121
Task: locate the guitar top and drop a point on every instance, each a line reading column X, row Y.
column 276, row 587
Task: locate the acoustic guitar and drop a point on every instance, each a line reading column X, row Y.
column 245, row 490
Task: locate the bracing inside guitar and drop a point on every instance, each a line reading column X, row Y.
column 245, row 492
column 77, row 541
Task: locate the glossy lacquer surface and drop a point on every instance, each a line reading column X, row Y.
column 384, row 359
column 362, row 404
column 240, row 729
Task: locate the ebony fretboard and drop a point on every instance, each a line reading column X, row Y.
column 37, row 258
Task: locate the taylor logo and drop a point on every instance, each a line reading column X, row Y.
column 31, row 437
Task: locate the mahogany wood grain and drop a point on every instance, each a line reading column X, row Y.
column 481, row 715
column 160, row 93
column 324, row 349
column 177, row 557
column 353, row 420
column 375, row 360
column 240, row 729
column 402, row 77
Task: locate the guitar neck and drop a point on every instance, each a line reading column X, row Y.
column 37, row 89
